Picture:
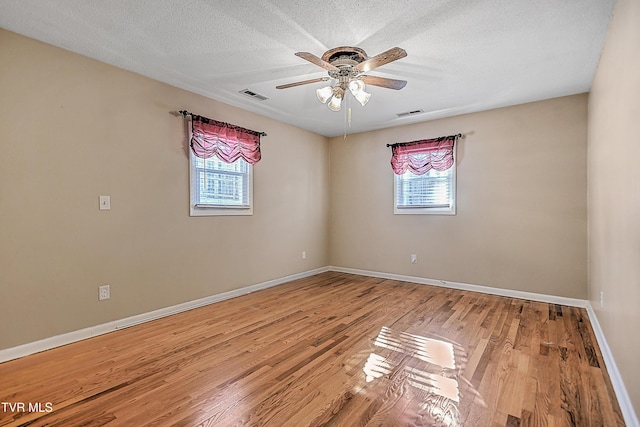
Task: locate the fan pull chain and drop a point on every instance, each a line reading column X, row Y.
column 347, row 119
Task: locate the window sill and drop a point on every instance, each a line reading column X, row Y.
column 424, row 211
column 219, row 211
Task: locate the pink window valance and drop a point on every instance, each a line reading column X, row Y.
column 228, row 142
column 420, row 157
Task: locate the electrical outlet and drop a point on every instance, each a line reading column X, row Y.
column 304, row 254
column 104, row 292
column 414, row 259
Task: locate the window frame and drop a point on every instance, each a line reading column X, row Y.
column 451, row 210
column 218, row 210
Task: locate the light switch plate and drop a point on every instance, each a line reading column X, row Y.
column 105, row 203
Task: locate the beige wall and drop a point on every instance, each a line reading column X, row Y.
column 72, row 129
column 614, row 193
column 521, row 206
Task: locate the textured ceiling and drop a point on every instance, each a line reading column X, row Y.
column 463, row 55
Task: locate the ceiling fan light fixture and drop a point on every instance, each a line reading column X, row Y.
column 324, row 94
column 336, row 101
column 357, row 90
column 335, row 104
column 356, row 85
column 362, row 97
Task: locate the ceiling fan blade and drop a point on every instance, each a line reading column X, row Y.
column 384, row 82
column 304, row 82
column 317, row 61
column 391, row 55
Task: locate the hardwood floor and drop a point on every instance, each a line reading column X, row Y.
column 333, row 349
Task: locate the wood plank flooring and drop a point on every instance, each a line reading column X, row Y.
column 334, row 349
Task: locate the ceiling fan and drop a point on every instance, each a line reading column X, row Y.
column 346, row 66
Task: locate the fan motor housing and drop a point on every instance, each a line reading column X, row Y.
column 345, row 56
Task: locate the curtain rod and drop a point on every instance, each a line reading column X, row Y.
column 186, row 113
column 441, row 137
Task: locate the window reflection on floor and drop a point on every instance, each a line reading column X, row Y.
column 429, row 350
column 427, row 365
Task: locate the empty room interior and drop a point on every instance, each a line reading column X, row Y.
column 298, row 213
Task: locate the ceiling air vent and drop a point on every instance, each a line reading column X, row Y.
column 253, row 94
column 410, row 113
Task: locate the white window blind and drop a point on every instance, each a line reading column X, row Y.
column 220, row 188
column 433, row 192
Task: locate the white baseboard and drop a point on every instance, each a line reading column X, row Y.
column 79, row 335
column 624, row 401
column 552, row 299
column 630, row 417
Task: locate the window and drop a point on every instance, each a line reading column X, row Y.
column 221, row 167
column 425, row 176
column 219, row 188
column 431, row 193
